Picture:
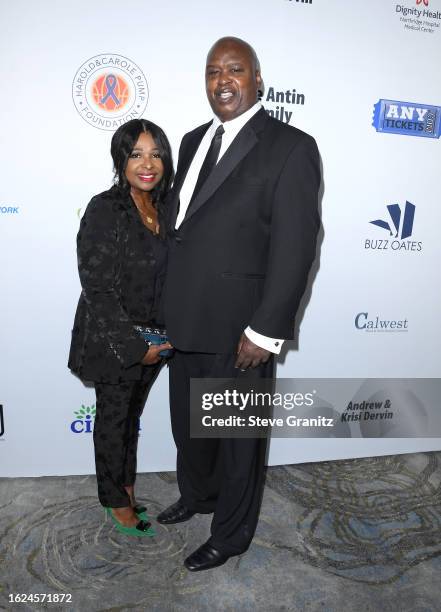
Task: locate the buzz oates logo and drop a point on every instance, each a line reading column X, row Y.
column 109, row 90
column 2, row 422
column 279, row 103
column 398, row 225
column 84, row 418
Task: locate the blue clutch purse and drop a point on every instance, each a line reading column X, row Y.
column 153, row 335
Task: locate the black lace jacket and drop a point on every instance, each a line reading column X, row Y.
column 121, row 266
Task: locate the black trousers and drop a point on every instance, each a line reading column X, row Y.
column 219, row 475
column 115, row 435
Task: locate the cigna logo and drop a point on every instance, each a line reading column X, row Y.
column 2, row 421
column 377, row 324
column 84, row 419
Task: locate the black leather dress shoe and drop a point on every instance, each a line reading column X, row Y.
column 205, row 557
column 176, row 513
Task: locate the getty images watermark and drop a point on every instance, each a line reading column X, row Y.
column 340, row 408
column 259, row 401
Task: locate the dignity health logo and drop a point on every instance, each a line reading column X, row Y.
column 419, row 17
column 407, row 118
column 399, row 225
column 109, row 90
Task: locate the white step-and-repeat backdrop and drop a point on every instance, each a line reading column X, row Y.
column 362, row 77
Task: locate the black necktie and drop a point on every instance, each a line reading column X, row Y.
column 209, row 162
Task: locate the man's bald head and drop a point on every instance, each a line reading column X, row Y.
column 233, row 40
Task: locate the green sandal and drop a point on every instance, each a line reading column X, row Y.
column 141, row 511
column 142, row 529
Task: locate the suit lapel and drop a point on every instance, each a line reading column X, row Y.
column 184, row 163
column 241, row 145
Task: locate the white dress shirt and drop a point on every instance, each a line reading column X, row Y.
column 231, row 128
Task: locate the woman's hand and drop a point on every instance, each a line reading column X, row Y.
column 152, row 356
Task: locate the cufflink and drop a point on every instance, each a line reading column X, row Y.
column 276, row 343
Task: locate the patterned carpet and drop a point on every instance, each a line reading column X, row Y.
column 354, row 535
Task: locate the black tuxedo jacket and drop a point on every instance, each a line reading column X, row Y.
column 242, row 255
column 121, row 266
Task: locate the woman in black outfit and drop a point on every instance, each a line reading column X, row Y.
column 121, row 261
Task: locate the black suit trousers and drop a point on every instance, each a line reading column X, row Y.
column 220, row 475
column 115, row 435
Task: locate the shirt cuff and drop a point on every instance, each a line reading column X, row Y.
column 269, row 344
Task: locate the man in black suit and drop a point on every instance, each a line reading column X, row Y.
column 244, row 213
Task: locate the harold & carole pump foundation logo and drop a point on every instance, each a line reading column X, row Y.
column 109, row 90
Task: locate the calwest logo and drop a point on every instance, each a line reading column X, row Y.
column 399, row 226
column 109, row 90
column 84, row 420
column 376, row 324
column 2, row 421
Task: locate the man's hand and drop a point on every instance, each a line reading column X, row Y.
column 249, row 354
column 152, row 356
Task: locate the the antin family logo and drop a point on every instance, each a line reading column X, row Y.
column 419, row 18
column 366, row 323
column 399, row 226
column 275, row 99
column 84, row 419
column 2, row 421
column 109, row 90
column 407, row 118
